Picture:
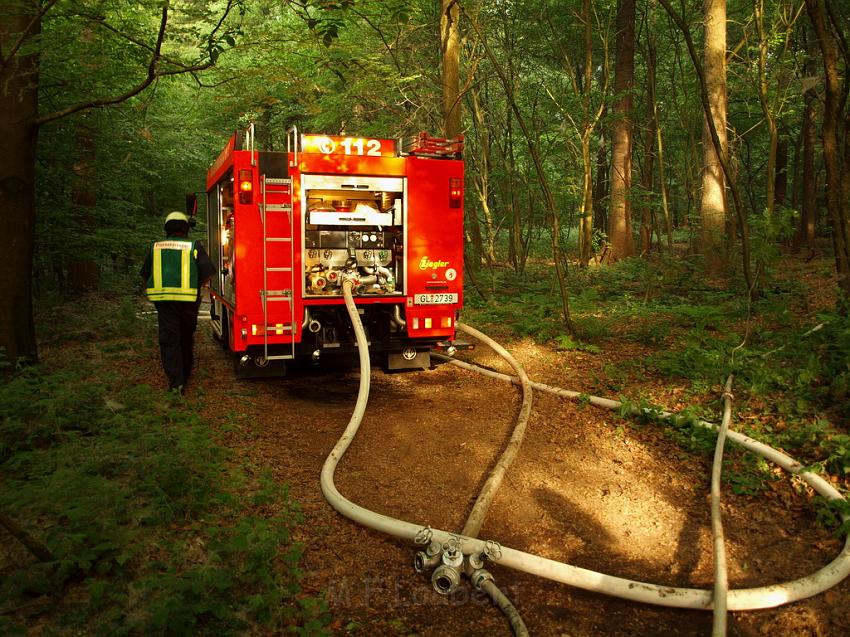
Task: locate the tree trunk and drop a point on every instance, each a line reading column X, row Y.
column 808, row 218
column 780, row 187
column 548, row 197
column 619, row 220
column 84, row 271
column 647, row 218
column 721, row 151
column 600, row 184
column 713, row 200
column 18, row 131
column 647, row 213
column 834, row 148
column 767, row 110
column 450, row 47
column 482, row 175
column 585, row 227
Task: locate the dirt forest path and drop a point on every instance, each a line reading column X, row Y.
column 586, row 489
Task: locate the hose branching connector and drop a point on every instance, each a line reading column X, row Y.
column 446, row 577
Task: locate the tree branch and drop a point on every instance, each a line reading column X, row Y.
column 151, row 76
column 101, row 22
column 154, row 71
column 26, row 33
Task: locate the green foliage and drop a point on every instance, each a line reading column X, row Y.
column 147, row 517
column 834, row 514
column 566, row 342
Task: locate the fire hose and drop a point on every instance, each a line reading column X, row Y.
column 633, row 590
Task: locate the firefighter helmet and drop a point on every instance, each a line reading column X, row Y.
column 177, row 216
column 176, row 220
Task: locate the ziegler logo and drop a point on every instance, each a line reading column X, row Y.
column 426, row 264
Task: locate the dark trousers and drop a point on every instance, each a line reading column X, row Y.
column 177, row 323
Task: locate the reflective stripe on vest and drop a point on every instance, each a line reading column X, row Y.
column 174, row 272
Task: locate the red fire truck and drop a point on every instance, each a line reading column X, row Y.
column 286, row 227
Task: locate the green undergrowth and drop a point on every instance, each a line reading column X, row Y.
column 791, row 366
column 151, row 527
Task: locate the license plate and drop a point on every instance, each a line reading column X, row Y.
column 435, row 299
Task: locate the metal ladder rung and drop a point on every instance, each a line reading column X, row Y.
column 280, row 357
column 278, row 182
column 278, row 239
column 277, row 295
column 278, row 269
column 278, row 207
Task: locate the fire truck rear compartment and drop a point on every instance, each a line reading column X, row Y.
column 353, row 227
column 328, row 336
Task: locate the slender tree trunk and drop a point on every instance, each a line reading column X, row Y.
column 482, row 175
column 647, row 218
column 84, row 271
column 764, row 100
column 548, row 197
column 620, row 218
column 18, row 132
column 651, row 63
column 713, row 200
column 647, row 214
column 835, row 149
column 585, row 222
column 808, row 218
column 720, row 149
column 780, row 187
column 585, row 234
column 450, row 47
column 600, row 184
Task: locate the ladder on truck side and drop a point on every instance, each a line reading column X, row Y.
column 278, row 261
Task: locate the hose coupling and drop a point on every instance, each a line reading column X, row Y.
column 314, row 326
column 427, row 559
column 475, row 561
column 452, row 556
column 445, row 579
column 479, row 576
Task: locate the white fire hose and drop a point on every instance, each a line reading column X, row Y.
column 633, row 590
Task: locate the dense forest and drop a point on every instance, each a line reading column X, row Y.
column 672, row 174
column 585, row 125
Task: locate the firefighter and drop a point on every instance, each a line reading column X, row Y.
column 175, row 271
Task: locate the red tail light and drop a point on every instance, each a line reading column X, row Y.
column 455, row 192
column 246, row 186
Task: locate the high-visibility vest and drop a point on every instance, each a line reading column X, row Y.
column 174, row 271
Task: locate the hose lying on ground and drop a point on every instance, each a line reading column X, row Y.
column 482, row 503
column 385, row 523
column 740, row 599
column 721, row 576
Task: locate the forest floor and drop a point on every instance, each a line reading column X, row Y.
column 588, row 488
